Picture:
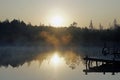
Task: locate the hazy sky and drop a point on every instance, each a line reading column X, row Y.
column 80, row 11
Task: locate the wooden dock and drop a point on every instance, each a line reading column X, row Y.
column 102, row 65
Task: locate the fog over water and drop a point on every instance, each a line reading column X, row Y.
column 34, row 63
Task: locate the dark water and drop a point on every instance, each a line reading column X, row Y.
column 46, row 63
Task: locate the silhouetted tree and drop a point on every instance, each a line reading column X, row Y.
column 17, row 32
column 74, row 24
column 100, row 26
column 91, row 25
column 115, row 22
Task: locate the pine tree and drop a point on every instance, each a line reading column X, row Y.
column 91, row 25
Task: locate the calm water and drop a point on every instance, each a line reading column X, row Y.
column 45, row 63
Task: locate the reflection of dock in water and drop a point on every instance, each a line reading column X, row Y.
column 107, row 62
column 102, row 65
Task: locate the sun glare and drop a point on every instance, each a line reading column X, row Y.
column 57, row 21
column 56, row 59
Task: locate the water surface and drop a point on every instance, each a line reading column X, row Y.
column 45, row 63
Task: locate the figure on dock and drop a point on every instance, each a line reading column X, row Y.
column 105, row 50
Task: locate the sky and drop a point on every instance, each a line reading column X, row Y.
column 80, row 11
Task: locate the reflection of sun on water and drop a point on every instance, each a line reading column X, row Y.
column 56, row 59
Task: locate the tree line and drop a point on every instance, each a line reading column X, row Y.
column 17, row 32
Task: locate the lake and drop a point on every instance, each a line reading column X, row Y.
column 46, row 63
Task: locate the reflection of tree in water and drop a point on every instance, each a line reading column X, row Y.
column 16, row 57
column 72, row 59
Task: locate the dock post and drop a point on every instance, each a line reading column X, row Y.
column 113, row 73
column 86, row 62
column 89, row 64
column 96, row 63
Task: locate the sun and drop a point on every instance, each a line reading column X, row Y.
column 57, row 21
